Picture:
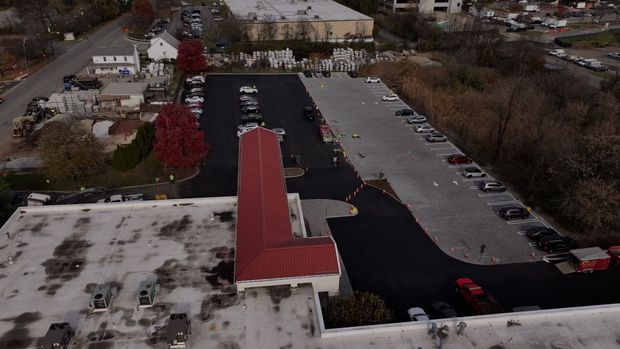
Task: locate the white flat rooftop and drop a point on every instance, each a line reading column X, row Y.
column 60, row 253
column 287, row 10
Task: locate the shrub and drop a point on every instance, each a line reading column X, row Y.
column 128, row 156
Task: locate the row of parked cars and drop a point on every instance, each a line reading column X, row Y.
column 192, row 23
column 590, row 63
column 251, row 116
column 545, row 238
column 195, row 95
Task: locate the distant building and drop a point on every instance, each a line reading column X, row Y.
column 123, row 61
column 324, row 20
column 163, row 47
column 421, row 6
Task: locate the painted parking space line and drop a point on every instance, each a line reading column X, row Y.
column 521, row 232
column 522, row 221
column 459, row 166
column 474, row 187
column 440, row 148
column 470, row 179
column 497, row 203
column 447, row 154
column 531, row 244
column 489, row 195
column 509, row 197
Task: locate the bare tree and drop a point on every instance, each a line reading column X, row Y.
column 268, row 28
column 505, row 103
column 287, row 31
column 303, row 29
column 327, row 31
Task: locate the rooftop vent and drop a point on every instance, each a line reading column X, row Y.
column 316, row 17
column 147, row 290
column 301, row 12
column 282, row 17
column 309, row 9
column 178, row 331
column 102, row 297
column 59, row 335
column 252, row 15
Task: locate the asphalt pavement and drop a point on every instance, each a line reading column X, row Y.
column 386, row 252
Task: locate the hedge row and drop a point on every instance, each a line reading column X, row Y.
column 128, row 156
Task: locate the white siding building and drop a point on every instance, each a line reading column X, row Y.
column 163, row 47
column 122, row 95
column 121, row 61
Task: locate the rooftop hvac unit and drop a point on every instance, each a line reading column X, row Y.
column 316, row 17
column 178, row 330
column 301, row 12
column 146, row 291
column 102, row 297
column 282, row 17
column 59, row 335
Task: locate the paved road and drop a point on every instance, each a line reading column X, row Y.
column 49, row 79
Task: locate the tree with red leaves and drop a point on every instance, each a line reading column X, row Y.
column 190, row 57
column 178, row 142
column 143, row 11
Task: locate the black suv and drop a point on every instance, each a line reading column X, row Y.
column 540, row 232
column 404, row 112
column 308, row 73
column 511, row 212
column 309, row 113
column 556, row 243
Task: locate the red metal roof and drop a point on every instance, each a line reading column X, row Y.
column 266, row 248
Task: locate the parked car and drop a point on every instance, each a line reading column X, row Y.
column 443, row 310
column 246, row 103
column 492, row 186
column 436, row 137
column 194, row 99
column 372, row 80
column 250, row 109
column 352, row 74
column 458, row 159
column 246, row 128
column 473, row 294
column 244, row 98
column 218, row 18
column 308, row 73
column 248, row 90
column 196, row 78
column 554, row 244
column 614, row 55
column 513, row 212
column 536, row 233
column 471, row 172
column 196, row 94
column 390, row 98
column 281, row 133
column 417, row 314
column 404, row 112
column 317, row 74
column 198, row 111
column 196, row 89
column 215, row 11
column 419, row 119
column 308, row 113
column 424, row 128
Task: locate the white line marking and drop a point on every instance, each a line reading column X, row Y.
column 470, row 179
column 532, row 244
column 496, row 203
column 435, row 184
column 455, row 182
column 459, row 166
column 521, row 232
column 488, row 195
column 474, row 187
column 522, row 221
column 444, row 154
column 439, row 148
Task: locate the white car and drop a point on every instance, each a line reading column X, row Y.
column 196, row 89
column 372, row 80
column 420, row 119
column 218, row 18
column 471, row 172
column 196, row 78
column 246, row 128
column 198, row 111
column 244, row 98
column 426, row 128
column 390, row 98
column 194, row 99
column 248, row 89
column 417, row 314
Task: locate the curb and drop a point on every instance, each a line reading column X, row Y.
column 155, row 184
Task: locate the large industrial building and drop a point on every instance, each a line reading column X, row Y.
column 320, row 20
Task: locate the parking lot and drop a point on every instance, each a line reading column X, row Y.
column 458, row 216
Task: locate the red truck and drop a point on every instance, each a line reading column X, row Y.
column 326, row 133
column 473, row 294
column 614, row 253
column 587, row 260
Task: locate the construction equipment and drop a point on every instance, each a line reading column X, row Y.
column 23, row 125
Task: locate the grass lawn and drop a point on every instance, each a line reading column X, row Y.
column 144, row 173
column 605, row 38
